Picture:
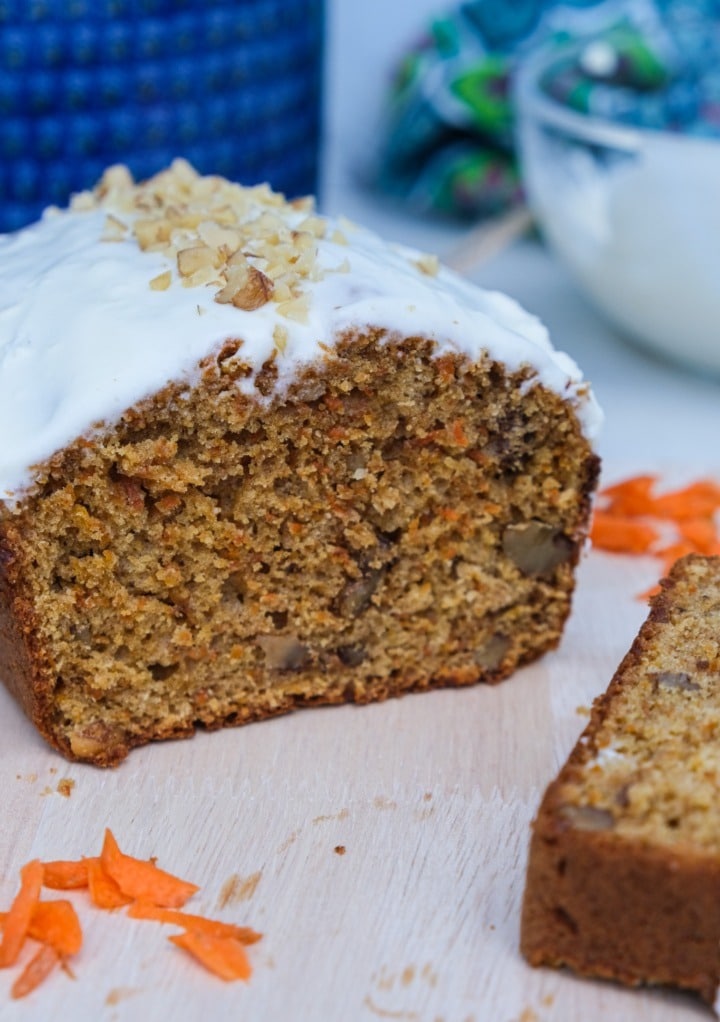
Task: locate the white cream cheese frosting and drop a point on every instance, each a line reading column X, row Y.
column 84, row 335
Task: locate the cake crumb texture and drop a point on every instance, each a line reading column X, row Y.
column 624, row 871
column 391, row 521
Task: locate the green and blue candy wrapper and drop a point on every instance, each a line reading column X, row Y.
column 447, row 143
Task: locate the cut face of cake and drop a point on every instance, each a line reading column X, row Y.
column 624, row 872
column 255, row 459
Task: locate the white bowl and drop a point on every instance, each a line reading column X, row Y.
column 635, row 215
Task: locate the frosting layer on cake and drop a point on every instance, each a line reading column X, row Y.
column 102, row 304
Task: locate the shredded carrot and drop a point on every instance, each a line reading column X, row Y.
column 104, row 891
column 56, row 923
column 700, row 533
column 631, row 518
column 222, row 956
column 698, row 500
column 17, row 921
column 673, row 552
column 449, row 514
column 630, row 497
column 458, row 433
column 112, row 880
column 141, row 880
column 198, row 924
column 38, row 969
column 64, row 875
column 620, row 534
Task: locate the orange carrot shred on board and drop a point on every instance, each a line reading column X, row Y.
column 673, row 552
column 104, row 891
column 141, row 880
column 620, row 534
column 17, row 920
column 63, row 875
column 631, row 497
column 701, row 533
column 112, row 880
column 630, row 513
column 222, row 956
column 698, row 500
column 38, row 969
column 56, row 923
column 198, row 924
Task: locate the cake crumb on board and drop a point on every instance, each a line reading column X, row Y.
column 237, row 888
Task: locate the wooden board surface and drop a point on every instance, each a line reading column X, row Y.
column 430, row 797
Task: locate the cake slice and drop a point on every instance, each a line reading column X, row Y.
column 256, row 459
column 624, row 873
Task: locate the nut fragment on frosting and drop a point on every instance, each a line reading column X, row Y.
column 250, row 243
column 428, row 264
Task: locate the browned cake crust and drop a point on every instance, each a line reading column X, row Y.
column 624, row 872
column 394, row 521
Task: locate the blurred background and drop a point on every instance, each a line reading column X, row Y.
column 455, row 127
column 232, row 85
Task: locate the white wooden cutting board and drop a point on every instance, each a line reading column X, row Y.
column 431, row 799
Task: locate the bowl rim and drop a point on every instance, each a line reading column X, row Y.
column 591, row 128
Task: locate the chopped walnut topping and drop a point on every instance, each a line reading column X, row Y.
column 295, row 308
column 116, row 179
column 314, row 225
column 114, row 230
column 305, row 204
column 196, row 258
column 256, row 290
column 246, row 288
column 428, row 264
column 162, row 281
column 280, row 336
column 249, row 243
column 203, row 275
column 83, row 201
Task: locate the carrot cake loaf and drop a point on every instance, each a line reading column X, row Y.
column 255, row 459
column 624, row 873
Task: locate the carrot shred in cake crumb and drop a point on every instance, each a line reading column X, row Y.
column 112, row 880
column 633, row 518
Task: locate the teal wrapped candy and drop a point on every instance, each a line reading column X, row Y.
column 448, row 139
